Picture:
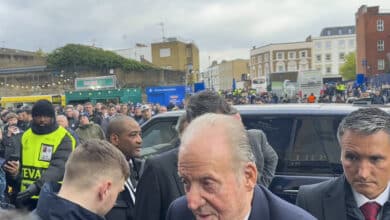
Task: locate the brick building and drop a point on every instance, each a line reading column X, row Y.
column 175, row 55
column 372, row 40
column 282, row 57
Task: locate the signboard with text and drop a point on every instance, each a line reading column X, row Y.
column 103, row 82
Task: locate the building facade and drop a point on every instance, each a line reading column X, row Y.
column 372, row 40
column 219, row 76
column 211, row 77
column 176, row 55
column 283, row 57
column 331, row 47
column 11, row 58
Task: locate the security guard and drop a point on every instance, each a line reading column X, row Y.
column 45, row 149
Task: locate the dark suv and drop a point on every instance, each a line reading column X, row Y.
column 303, row 135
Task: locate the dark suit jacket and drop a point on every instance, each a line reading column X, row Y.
column 158, row 187
column 325, row 200
column 124, row 206
column 265, row 206
column 332, row 199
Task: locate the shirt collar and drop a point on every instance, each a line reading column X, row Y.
column 247, row 215
column 361, row 199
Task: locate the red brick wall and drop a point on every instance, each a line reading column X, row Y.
column 367, row 37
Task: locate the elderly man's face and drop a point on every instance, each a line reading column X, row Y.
column 366, row 161
column 214, row 189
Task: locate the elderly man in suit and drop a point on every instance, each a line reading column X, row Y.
column 363, row 191
column 219, row 175
column 160, row 185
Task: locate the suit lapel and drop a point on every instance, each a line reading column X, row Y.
column 334, row 201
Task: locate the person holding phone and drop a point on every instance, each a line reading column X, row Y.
column 10, row 146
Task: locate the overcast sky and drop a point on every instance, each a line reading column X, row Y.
column 222, row 29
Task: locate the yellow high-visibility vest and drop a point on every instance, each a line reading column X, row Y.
column 37, row 152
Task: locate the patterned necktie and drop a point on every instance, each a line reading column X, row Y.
column 370, row 210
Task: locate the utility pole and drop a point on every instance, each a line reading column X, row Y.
column 162, row 30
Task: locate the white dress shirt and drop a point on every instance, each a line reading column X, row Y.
column 381, row 199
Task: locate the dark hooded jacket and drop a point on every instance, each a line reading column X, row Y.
column 50, row 206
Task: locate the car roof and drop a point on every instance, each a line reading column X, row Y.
column 295, row 109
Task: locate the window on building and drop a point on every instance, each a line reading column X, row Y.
column 318, row 57
column 328, row 57
column 318, row 68
column 349, row 31
column 328, row 45
column 380, row 26
column 351, row 43
column 381, row 64
column 165, row 52
column 341, row 44
column 381, row 45
column 303, row 53
column 341, row 56
column 340, row 32
column 279, row 55
column 328, row 69
column 318, row 45
column 280, row 67
column 260, row 58
column 291, row 55
column 328, row 33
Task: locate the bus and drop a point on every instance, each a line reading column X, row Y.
column 16, row 101
column 259, row 84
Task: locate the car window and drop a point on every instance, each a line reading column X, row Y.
column 277, row 129
column 315, row 147
column 304, row 144
column 158, row 132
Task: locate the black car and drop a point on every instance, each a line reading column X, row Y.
column 303, row 135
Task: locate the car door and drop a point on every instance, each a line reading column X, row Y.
column 307, row 148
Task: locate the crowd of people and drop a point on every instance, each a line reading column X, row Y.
column 329, row 93
column 84, row 162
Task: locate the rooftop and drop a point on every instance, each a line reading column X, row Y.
column 332, row 31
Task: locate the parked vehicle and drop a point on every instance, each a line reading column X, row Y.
column 303, row 135
column 15, row 101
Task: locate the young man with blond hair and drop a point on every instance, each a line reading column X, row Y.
column 94, row 176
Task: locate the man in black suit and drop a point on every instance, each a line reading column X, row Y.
column 219, row 174
column 363, row 191
column 125, row 133
column 159, row 184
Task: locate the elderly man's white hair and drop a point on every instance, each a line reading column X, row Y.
column 233, row 129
